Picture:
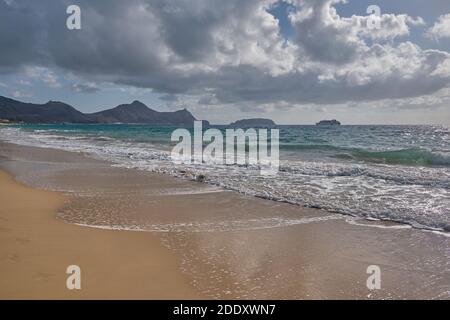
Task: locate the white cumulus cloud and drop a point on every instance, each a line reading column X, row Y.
column 440, row 29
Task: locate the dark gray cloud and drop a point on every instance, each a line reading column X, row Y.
column 22, row 36
column 223, row 51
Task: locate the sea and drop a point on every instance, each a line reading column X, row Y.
column 376, row 172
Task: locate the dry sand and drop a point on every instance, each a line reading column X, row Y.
column 36, row 248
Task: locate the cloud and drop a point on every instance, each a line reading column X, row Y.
column 226, row 52
column 88, row 87
column 22, row 34
column 169, row 97
column 325, row 36
column 208, row 99
column 24, row 82
column 43, row 74
column 20, row 94
column 440, row 29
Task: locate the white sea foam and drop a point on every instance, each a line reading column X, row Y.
column 218, row 226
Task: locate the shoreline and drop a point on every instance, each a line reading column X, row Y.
column 213, row 244
column 36, row 248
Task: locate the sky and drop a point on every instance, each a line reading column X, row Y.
column 295, row 61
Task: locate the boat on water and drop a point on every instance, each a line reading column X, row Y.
column 333, row 122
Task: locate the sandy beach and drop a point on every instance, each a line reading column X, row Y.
column 36, row 248
column 199, row 240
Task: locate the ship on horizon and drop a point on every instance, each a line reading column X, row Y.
column 333, row 122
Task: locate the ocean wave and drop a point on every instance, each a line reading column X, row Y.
column 412, row 156
column 407, row 156
column 378, row 188
column 434, row 177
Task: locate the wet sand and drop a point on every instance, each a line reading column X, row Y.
column 228, row 245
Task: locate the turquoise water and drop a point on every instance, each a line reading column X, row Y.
column 399, row 173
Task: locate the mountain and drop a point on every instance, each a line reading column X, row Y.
column 137, row 112
column 328, row 123
column 58, row 112
column 50, row 112
column 255, row 122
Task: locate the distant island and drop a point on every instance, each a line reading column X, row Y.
column 328, row 123
column 254, row 122
column 56, row 112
